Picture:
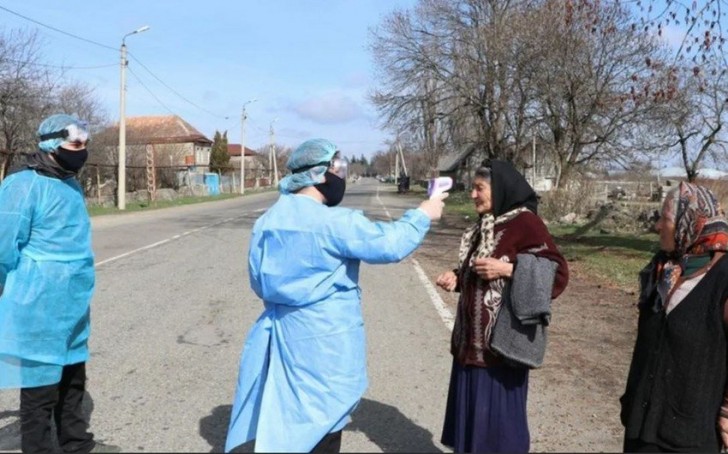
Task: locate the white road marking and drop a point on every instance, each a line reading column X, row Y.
column 445, row 314
column 170, row 239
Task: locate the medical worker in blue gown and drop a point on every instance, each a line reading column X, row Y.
column 303, row 367
column 46, row 283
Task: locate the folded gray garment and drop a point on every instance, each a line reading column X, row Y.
column 520, row 331
column 531, row 287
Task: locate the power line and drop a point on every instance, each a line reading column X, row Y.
column 115, row 49
column 150, row 92
column 58, row 67
column 175, row 91
column 57, row 30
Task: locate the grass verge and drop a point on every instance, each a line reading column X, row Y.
column 612, row 260
column 146, row 206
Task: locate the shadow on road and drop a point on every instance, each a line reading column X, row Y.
column 383, row 424
column 10, row 432
column 390, row 429
column 214, row 426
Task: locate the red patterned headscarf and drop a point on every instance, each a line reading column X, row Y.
column 700, row 224
column 700, row 228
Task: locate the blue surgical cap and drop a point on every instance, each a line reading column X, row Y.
column 309, row 153
column 57, row 123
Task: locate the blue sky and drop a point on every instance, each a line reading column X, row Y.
column 305, row 61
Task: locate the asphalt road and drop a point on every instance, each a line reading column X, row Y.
column 172, row 308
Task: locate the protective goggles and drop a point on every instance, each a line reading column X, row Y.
column 337, row 166
column 71, row 133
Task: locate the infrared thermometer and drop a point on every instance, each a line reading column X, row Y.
column 437, row 186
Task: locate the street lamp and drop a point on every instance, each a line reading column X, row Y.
column 242, row 147
column 272, row 154
column 121, row 184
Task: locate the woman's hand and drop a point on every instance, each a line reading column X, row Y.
column 723, row 430
column 447, row 280
column 490, row 268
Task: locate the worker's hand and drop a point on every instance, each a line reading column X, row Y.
column 447, row 280
column 489, row 268
column 433, row 207
column 723, row 430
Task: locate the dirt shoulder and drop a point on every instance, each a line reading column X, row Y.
column 574, row 397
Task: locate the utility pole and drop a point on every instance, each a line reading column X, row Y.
column 242, row 152
column 242, row 147
column 533, row 162
column 272, row 154
column 121, row 183
column 659, row 169
column 401, row 154
column 121, row 178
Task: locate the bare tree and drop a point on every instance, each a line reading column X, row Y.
column 702, row 23
column 688, row 84
column 382, row 162
column 30, row 91
column 689, row 122
column 80, row 99
column 592, row 77
column 575, row 75
column 23, row 94
column 405, row 50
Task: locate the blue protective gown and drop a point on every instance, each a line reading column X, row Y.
column 303, row 367
column 46, row 276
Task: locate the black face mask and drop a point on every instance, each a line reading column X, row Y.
column 332, row 189
column 71, row 160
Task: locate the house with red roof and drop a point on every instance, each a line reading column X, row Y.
column 175, row 142
column 255, row 166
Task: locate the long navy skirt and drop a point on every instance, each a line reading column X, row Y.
column 486, row 410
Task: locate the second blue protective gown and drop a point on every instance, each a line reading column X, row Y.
column 303, row 366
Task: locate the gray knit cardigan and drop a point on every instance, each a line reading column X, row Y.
column 519, row 333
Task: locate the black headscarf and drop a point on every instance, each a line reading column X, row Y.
column 509, row 189
column 41, row 162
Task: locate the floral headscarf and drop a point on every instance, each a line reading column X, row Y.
column 700, row 229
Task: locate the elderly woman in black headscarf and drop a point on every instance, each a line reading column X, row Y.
column 507, row 259
column 676, row 398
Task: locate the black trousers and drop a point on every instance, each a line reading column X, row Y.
column 331, row 443
column 63, row 402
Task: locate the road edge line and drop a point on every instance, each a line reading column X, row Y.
column 168, row 240
column 445, row 314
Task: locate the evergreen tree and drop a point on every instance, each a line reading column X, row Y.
column 219, row 157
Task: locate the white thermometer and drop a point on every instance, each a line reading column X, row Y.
column 437, row 186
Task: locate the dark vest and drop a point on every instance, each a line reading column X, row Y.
column 678, row 373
